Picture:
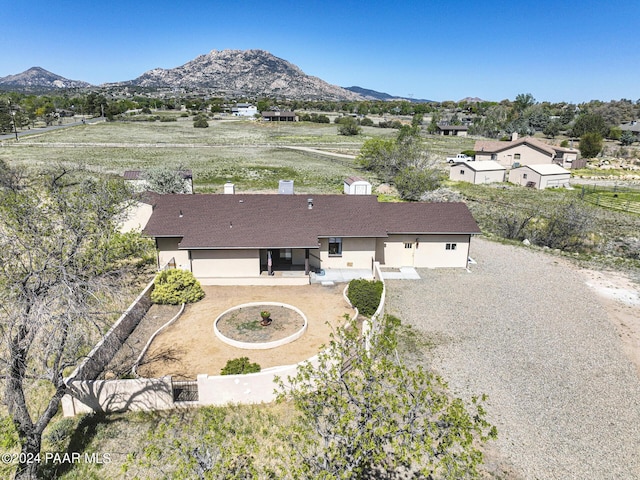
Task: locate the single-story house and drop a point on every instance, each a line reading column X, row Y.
column 222, row 238
column 524, row 151
column 244, row 110
column 485, row 171
column 633, row 127
column 453, row 130
column 356, row 186
column 280, row 116
column 136, row 178
column 540, row 176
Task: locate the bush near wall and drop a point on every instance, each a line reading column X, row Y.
column 365, row 295
column 175, row 287
column 240, row 366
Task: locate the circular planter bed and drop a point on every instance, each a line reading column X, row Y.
column 242, row 326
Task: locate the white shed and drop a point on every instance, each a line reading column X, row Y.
column 486, row 171
column 540, row 176
column 357, row 186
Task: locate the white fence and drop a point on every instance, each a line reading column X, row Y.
column 157, row 394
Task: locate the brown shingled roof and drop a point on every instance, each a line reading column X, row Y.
column 286, row 221
column 495, row 147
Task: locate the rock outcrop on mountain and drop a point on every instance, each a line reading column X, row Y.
column 39, row 79
column 251, row 73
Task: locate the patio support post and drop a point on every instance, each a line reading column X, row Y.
column 306, row 261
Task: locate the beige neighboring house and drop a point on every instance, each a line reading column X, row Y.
column 246, row 239
column 540, row 176
column 452, row 130
column 485, row 171
column 524, row 151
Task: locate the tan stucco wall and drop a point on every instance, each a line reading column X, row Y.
column 136, row 217
column 472, row 176
column 430, row 251
column 168, row 249
column 117, row 395
column 356, row 253
column 517, row 176
column 225, row 263
column 528, row 156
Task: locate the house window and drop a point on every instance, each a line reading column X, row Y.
column 461, row 172
column 335, row 246
column 516, row 156
column 408, row 245
column 524, row 175
column 494, row 156
column 451, row 246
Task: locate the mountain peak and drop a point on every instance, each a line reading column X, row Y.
column 37, row 79
column 251, row 73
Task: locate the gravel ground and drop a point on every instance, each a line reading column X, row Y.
column 524, row 328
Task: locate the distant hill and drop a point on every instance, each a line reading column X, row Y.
column 37, row 79
column 250, row 73
column 373, row 95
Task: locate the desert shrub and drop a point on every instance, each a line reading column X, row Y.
column 442, row 194
column 167, row 118
column 200, row 121
column 176, row 286
column 366, row 122
column 365, row 295
column 240, row 366
column 349, row 126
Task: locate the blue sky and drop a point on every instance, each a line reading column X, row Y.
column 572, row 51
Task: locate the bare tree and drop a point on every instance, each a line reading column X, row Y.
column 55, row 260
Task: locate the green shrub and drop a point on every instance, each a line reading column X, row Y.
column 200, row 122
column 365, row 295
column 240, row 366
column 366, row 122
column 176, row 286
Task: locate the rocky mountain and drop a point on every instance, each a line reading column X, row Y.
column 251, row 73
column 38, row 79
column 374, row 95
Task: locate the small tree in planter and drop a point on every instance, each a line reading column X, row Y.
column 266, row 318
column 176, row 286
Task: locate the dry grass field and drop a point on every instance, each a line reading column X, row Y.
column 250, row 154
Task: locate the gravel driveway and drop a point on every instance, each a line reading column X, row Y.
column 524, row 328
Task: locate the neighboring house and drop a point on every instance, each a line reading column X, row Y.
column 232, row 239
column 633, row 127
column 453, row 130
column 485, row 171
column 540, row 176
column 244, row 110
column 137, row 179
column 524, row 151
column 357, row 186
column 279, row 116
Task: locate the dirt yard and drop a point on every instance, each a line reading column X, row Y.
column 189, row 347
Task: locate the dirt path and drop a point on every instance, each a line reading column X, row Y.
column 189, row 347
